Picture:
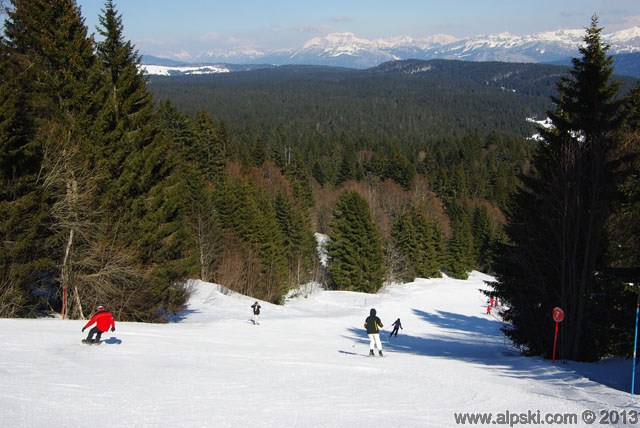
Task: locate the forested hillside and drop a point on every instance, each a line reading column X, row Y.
column 406, row 101
column 435, row 145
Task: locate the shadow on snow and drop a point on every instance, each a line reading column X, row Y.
column 113, row 341
column 472, row 338
column 479, row 340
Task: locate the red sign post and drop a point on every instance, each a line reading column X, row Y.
column 558, row 316
column 64, row 300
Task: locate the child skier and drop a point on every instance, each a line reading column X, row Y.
column 372, row 324
column 256, row 312
column 396, row 325
column 103, row 320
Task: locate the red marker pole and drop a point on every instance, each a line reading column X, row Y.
column 64, row 300
column 555, row 342
column 558, row 316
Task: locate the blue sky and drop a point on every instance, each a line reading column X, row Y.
column 162, row 27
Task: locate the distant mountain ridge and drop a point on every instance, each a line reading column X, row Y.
column 349, row 50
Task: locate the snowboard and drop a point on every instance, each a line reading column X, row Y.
column 86, row 342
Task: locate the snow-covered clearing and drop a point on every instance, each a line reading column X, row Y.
column 305, row 365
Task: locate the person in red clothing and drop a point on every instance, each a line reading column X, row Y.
column 103, row 320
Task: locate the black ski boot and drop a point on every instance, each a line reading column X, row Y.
column 380, row 353
column 371, row 354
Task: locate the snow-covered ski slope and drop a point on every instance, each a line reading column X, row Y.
column 304, row 366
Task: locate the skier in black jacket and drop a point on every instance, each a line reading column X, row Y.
column 372, row 324
column 256, row 312
column 396, row 325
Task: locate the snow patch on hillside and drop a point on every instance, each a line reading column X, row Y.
column 163, row 70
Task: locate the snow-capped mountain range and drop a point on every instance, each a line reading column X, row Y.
column 349, row 50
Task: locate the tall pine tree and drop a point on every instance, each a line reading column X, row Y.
column 460, row 260
column 125, row 124
column 63, row 90
column 355, row 250
column 24, row 204
column 416, row 239
column 557, row 220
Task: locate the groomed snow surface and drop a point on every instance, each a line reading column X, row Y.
column 305, row 365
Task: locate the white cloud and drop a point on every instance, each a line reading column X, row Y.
column 340, row 19
column 622, row 22
column 210, row 37
column 314, row 29
column 631, row 21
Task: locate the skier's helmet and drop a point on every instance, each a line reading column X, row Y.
column 100, row 308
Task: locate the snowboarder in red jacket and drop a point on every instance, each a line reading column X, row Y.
column 103, row 320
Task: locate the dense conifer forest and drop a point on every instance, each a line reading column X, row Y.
column 409, row 102
column 116, row 188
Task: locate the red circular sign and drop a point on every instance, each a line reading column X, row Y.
column 557, row 314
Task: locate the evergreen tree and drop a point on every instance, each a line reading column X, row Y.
column 429, row 261
column 404, row 237
column 482, row 237
column 319, row 173
column 126, row 124
column 416, row 238
column 209, row 150
column 256, row 229
column 624, row 230
column 62, row 89
column 355, row 249
column 557, row 222
column 23, row 202
column 438, row 238
column 270, row 246
column 258, row 153
column 622, row 272
column 460, row 250
column 298, row 240
column 348, row 168
column 166, row 191
column 399, row 169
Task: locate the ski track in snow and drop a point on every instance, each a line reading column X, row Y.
column 305, row 365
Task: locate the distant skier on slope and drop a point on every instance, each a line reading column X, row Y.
column 372, row 324
column 103, row 320
column 396, row 325
column 256, row 312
